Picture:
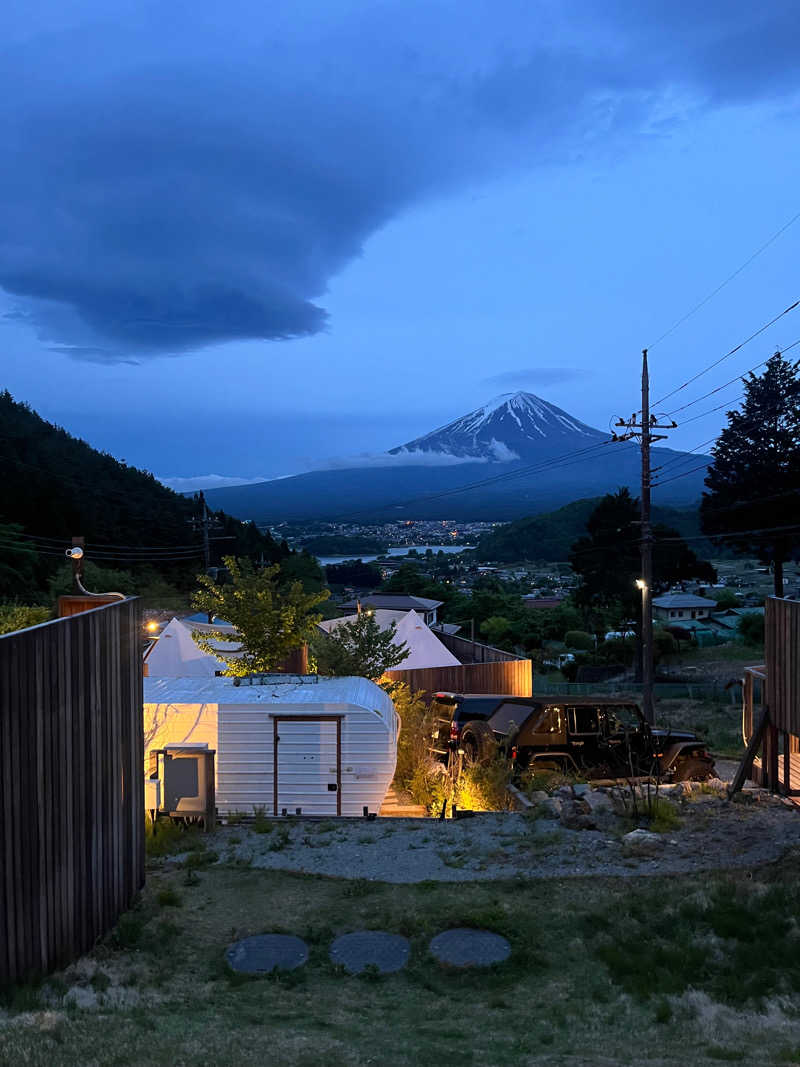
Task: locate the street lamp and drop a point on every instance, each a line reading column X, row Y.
column 647, row 652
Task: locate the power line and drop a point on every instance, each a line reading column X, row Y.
column 728, row 354
column 730, row 278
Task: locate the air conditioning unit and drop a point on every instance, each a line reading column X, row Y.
column 181, row 783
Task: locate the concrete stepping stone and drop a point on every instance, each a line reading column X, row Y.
column 370, row 948
column 469, row 948
column 264, row 953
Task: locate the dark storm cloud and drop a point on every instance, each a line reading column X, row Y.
column 178, row 177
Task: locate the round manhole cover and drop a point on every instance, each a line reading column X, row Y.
column 267, row 952
column 370, row 948
column 469, row 948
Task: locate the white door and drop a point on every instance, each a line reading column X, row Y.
column 308, row 767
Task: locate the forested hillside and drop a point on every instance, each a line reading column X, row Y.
column 550, row 536
column 55, row 486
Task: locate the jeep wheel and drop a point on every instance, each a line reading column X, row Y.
column 477, row 741
column 693, row 769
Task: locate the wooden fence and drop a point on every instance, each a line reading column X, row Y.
column 513, row 677
column 71, row 785
column 467, row 651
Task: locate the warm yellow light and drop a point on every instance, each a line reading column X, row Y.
column 641, row 584
column 152, row 626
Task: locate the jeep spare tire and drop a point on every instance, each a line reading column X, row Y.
column 477, row 741
column 693, row 769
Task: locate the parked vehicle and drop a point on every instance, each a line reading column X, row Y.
column 598, row 737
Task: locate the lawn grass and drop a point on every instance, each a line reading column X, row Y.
column 668, row 970
column 719, row 725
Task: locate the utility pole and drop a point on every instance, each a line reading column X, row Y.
column 77, row 564
column 204, row 521
column 643, row 429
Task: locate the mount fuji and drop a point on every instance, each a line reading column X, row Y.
column 517, row 455
column 514, row 426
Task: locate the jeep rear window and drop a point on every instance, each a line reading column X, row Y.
column 507, row 713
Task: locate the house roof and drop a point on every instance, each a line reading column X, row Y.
column 396, row 601
column 683, row 600
column 383, row 618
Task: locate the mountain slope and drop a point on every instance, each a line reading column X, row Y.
column 515, row 456
column 55, row 486
column 550, row 536
column 512, row 426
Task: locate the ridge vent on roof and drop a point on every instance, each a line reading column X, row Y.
column 277, row 679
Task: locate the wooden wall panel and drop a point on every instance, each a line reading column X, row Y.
column 782, row 655
column 71, row 785
column 512, row 677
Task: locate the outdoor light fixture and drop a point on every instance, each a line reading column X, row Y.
column 641, row 584
column 152, row 626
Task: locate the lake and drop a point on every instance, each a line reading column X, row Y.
column 400, row 550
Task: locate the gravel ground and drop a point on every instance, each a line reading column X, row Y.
column 713, row 833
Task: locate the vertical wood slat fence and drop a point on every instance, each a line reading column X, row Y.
column 71, row 785
column 513, row 677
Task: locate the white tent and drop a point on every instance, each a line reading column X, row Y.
column 326, row 746
column 175, row 655
column 424, row 647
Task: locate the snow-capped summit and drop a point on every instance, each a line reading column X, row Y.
column 513, row 426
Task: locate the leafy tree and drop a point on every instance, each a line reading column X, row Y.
column 608, row 558
column 751, row 628
column 18, row 563
column 271, row 617
column 495, row 628
column 579, row 639
column 755, row 477
column 359, row 648
column 725, row 598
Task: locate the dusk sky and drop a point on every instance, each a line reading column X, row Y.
column 249, row 238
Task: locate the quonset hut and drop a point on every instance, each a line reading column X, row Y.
column 325, row 746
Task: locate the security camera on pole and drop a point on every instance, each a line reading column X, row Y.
column 643, row 431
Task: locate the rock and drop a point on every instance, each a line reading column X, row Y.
column 81, row 997
column 643, row 842
column 572, row 818
column 552, row 808
column 564, row 791
column 538, row 796
column 598, row 802
column 581, row 789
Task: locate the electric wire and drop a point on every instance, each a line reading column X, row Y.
column 730, row 278
column 727, row 355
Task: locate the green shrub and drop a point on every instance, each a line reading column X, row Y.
column 21, row 616
column 579, row 639
column 484, row 786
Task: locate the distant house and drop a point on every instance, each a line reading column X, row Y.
column 542, row 601
column 682, row 606
column 424, row 607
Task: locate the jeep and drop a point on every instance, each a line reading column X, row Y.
column 598, row 737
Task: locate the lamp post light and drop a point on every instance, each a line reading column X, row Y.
column 648, row 709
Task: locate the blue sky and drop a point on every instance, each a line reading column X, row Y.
column 247, row 239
